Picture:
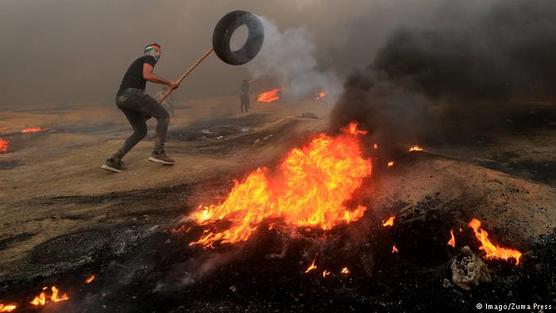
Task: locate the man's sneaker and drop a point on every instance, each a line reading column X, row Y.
column 113, row 165
column 161, row 157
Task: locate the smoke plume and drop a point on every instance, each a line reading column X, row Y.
column 290, row 58
column 450, row 78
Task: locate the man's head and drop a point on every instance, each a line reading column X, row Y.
column 153, row 49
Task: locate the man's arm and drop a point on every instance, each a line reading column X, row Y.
column 148, row 75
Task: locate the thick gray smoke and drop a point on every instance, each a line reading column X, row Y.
column 450, row 77
column 290, row 58
column 71, row 52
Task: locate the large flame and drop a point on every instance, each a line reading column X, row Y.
column 309, row 189
column 269, row 96
column 4, row 144
column 492, row 250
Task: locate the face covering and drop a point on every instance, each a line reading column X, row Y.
column 152, row 52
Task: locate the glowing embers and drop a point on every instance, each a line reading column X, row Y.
column 309, row 188
column 492, row 250
column 269, row 96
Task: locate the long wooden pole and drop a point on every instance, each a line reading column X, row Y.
column 182, row 77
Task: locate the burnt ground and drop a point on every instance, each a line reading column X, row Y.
column 130, row 239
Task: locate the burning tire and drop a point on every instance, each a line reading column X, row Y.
column 223, row 34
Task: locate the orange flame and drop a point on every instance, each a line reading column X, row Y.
column 389, row 222
column 42, row 298
column 345, row 271
column 7, row 307
column 321, row 95
column 391, row 164
column 309, row 189
column 90, row 279
column 394, row 249
column 313, row 266
column 492, row 250
column 269, row 96
column 325, row 273
column 30, row 130
column 55, row 298
column 4, row 144
column 415, row 148
column 452, row 241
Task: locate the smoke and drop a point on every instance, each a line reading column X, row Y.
column 289, row 57
column 69, row 52
column 453, row 76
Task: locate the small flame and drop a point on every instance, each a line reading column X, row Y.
column 391, row 164
column 313, row 265
column 394, row 249
column 42, row 298
column 7, row 307
column 389, row 222
column 4, row 144
column 269, row 96
column 452, row 241
column 90, row 279
column 375, row 146
column 55, row 298
column 345, row 271
column 325, row 273
column 31, row 130
column 321, row 95
column 415, row 148
column 492, row 250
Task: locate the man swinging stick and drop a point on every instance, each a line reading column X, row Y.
column 138, row 107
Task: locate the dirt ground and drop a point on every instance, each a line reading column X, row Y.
column 51, row 183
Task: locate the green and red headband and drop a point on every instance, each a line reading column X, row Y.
column 151, row 46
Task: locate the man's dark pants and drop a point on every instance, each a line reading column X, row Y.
column 244, row 103
column 138, row 107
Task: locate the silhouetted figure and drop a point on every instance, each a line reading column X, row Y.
column 244, row 96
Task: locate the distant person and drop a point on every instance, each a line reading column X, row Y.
column 244, row 96
column 138, row 107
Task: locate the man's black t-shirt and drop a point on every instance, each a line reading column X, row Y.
column 133, row 78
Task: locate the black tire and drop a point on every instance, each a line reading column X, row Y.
column 223, row 34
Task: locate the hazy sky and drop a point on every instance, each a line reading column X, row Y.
column 76, row 51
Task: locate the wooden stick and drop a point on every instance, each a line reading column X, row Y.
column 201, row 59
